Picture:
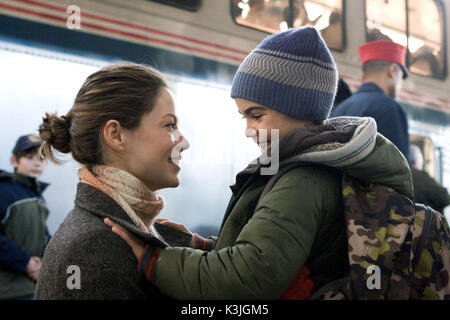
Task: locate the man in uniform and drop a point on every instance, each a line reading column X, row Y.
column 383, row 64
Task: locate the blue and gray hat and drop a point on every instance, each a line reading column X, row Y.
column 292, row 72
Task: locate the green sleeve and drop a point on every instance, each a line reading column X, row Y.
column 436, row 193
column 269, row 251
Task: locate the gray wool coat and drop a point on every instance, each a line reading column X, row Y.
column 86, row 260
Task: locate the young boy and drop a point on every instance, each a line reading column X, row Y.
column 23, row 214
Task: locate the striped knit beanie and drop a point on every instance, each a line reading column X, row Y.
column 292, row 72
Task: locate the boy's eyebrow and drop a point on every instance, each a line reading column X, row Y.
column 253, row 108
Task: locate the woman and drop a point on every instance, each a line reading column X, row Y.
column 292, row 241
column 122, row 128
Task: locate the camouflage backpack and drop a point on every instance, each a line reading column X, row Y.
column 405, row 245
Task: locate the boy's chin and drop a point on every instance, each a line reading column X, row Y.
column 33, row 175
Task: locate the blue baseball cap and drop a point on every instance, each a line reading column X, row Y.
column 26, row 142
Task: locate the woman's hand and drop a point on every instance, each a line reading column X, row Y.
column 135, row 243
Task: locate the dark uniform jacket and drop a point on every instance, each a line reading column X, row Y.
column 85, row 246
column 371, row 101
column 23, row 231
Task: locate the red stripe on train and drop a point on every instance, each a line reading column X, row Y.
column 135, row 26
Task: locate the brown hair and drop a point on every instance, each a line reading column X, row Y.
column 123, row 92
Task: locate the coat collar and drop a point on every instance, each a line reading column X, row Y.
column 100, row 204
column 32, row 183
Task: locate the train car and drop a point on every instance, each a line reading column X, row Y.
column 48, row 47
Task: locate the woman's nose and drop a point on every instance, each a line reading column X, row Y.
column 183, row 144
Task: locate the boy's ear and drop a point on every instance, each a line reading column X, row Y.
column 14, row 161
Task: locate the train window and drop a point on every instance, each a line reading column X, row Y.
column 422, row 31
column 425, row 42
column 192, row 5
column 270, row 16
column 278, row 15
column 325, row 15
column 386, row 20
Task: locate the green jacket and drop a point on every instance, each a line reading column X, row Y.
column 260, row 249
column 428, row 191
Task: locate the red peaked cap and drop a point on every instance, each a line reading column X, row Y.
column 384, row 50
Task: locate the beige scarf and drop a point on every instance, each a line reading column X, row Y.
column 140, row 203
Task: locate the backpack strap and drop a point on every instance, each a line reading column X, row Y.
column 425, row 230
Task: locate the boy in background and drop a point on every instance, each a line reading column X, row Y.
column 23, row 214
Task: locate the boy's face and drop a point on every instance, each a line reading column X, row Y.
column 29, row 164
column 259, row 117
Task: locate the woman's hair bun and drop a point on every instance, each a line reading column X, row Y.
column 55, row 132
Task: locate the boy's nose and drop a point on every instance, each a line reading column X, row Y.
column 250, row 131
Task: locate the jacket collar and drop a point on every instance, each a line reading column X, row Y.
column 369, row 87
column 32, row 183
column 100, row 204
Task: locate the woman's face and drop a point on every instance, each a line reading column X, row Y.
column 262, row 120
column 152, row 152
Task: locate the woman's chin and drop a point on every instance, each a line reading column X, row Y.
column 170, row 183
column 175, row 183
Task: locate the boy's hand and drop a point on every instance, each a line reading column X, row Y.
column 177, row 226
column 174, row 225
column 33, row 268
column 136, row 244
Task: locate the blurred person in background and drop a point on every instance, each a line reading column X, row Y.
column 426, row 190
column 23, row 214
column 383, row 64
column 343, row 93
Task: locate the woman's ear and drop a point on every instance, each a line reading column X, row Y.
column 113, row 135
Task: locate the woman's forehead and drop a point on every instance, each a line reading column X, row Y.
column 164, row 104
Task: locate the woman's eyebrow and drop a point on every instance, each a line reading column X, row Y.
column 171, row 115
column 253, row 108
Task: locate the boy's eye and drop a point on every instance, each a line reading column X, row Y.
column 254, row 116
